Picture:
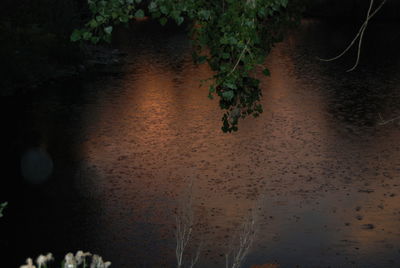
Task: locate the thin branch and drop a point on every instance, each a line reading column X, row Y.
column 196, row 257
column 240, row 249
column 360, row 35
column 353, row 41
column 240, row 58
column 384, row 122
column 250, row 53
column 184, row 228
column 183, row 232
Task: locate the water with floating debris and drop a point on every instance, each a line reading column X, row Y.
column 320, row 168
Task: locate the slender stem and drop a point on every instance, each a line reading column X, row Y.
column 384, row 122
column 359, row 35
column 240, row 57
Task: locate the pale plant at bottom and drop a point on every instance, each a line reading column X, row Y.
column 184, row 228
column 239, row 249
column 70, row 261
column 42, row 260
column 29, row 264
column 80, row 257
column 97, row 262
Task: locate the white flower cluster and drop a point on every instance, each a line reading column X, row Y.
column 97, row 262
column 29, row 264
column 41, row 261
column 70, row 261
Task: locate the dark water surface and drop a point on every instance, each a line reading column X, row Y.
column 318, row 166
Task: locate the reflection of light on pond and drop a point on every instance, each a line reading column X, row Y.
column 155, row 129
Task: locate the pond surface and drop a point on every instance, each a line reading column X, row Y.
column 320, row 168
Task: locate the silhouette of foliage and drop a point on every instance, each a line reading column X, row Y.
column 233, row 37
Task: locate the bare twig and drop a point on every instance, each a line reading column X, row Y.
column 240, row 248
column 384, row 122
column 184, row 222
column 240, row 58
column 184, row 228
column 197, row 255
column 359, row 36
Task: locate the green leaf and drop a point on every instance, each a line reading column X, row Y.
column 204, row 14
column 87, row 35
column 93, row 24
column 164, row 10
column 100, row 19
column 76, row 35
column 163, row 21
column 2, row 206
column 226, row 55
column 228, row 95
column 139, row 14
column 94, row 39
column 124, row 19
column 230, row 85
column 233, row 40
column 179, row 20
column 108, row 30
column 152, row 5
column 224, row 40
column 266, row 72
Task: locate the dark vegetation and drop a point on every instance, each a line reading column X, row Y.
column 35, row 37
column 35, row 43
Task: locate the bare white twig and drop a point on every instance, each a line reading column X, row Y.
column 240, row 58
column 184, row 228
column 240, row 249
column 359, row 36
column 184, row 222
column 384, row 122
column 197, row 255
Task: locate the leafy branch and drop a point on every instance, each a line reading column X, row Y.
column 222, row 32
